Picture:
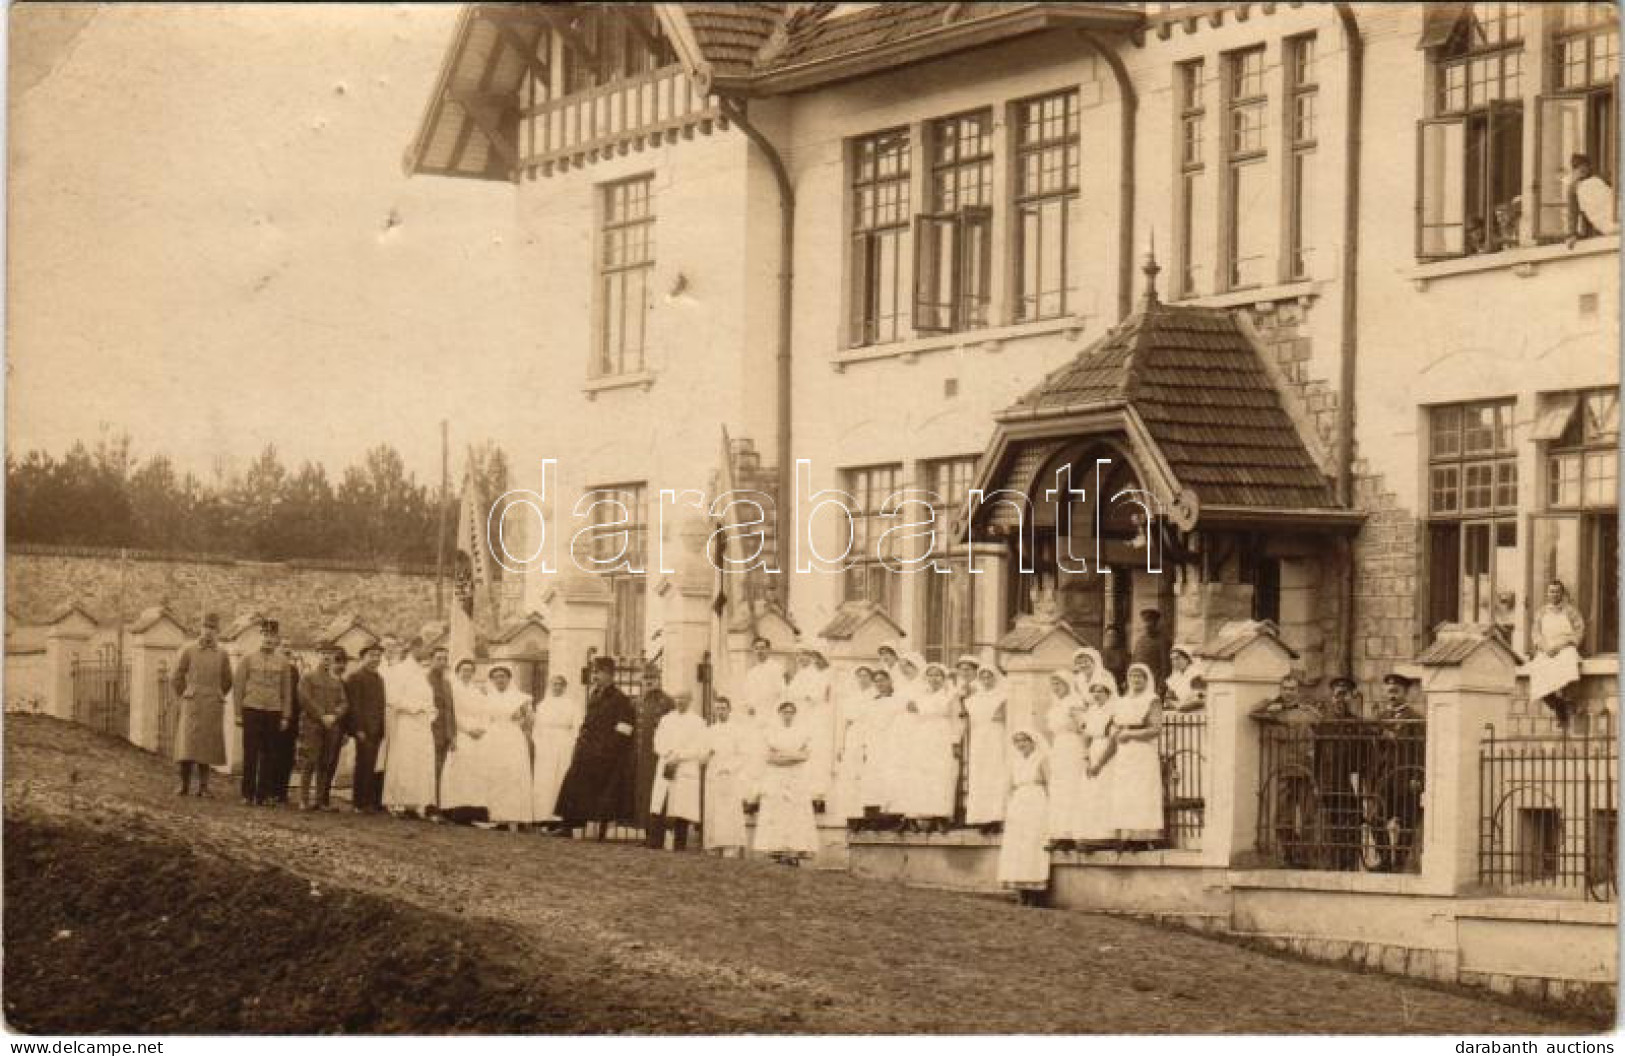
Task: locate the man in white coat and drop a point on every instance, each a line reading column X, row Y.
column 764, row 684
column 681, row 744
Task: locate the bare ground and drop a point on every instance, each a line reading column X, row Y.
column 131, row 910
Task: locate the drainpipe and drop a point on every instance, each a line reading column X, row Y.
column 1349, row 345
column 735, row 111
column 1125, row 173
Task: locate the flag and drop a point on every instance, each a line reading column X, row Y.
column 720, row 668
column 471, row 575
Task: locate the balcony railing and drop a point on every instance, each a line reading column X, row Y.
column 643, row 111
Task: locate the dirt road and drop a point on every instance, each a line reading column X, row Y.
column 128, row 909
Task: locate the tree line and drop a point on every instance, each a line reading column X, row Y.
column 101, row 495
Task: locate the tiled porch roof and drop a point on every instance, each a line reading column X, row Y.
column 1195, row 380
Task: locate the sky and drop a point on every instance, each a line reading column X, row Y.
column 212, row 244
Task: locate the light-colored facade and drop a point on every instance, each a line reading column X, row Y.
column 1220, row 134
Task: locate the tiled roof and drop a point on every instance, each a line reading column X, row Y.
column 822, row 38
column 851, row 616
column 1025, row 636
column 1196, row 381
column 730, row 35
column 1236, row 636
column 1455, row 642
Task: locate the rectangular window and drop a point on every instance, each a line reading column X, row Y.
column 1303, row 100
column 1250, row 205
column 1472, row 515
column 1470, row 154
column 946, row 613
column 1047, row 160
column 1576, row 541
column 1579, row 116
column 868, row 579
column 1190, row 224
column 626, row 259
column 880, row 220
column 953, row 240
column 620, row 520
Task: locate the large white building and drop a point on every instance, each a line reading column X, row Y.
column 1373, row 388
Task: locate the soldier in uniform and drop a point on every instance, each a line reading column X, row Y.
column 263, row 695
column 1341, row 745
column 201, row 681
column 323, row 706
column 444, row 726
column 1292, row 718
column 1403, row 759
column 1344, row 703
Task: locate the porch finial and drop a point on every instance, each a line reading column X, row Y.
column 1151, row 270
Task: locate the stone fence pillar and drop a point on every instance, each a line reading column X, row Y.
column 65, row 642
column 154, row 645
column 1244, row 667
column 1468, row 675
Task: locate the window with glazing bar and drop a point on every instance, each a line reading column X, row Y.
column 880, row 222
column 1047, row 165
column 1576, row 537
column 953, row 240
column 1472, row 515
column 1579, row 115
column 626, row 259
column 1303, row 99
column 1249, row 204
column 1192, row 217
column 868, row 579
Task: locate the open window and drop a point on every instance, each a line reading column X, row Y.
column 952, row 269
column 1470, row 182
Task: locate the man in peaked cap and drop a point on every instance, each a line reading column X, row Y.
column 201, row 681
column 324, row 705
column 262, row 691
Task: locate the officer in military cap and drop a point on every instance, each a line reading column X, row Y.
column 262, row 691
column 324, row 705
column 1345, row 703
column 1402, row 760
column 1289, row 743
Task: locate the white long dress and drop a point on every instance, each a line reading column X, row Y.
column 786, row 825
column 876, row 780
column 505, row 752
column 900, row 742
column 988, row 778
column 1136, row 787
column 928, row 790
column 679, row 741
column 397, row 684
column 1093, row 802
column 728, row 747
column 764, row 691
column 810, row 690
column 558, row 721
column 853, row 712
column 1023, row 857
column 1065, row 768
column 462, row 781
column 409, row 711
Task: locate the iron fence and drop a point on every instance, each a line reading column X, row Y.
column 632, row 677
column 101, row 693
column 1549, row 810
column 1341, row 795
column 1183, row 748
column 169, row 711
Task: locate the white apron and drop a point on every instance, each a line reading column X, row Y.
column 679, row 739
column 987, row 778
column 558, row 721
column 409, row 718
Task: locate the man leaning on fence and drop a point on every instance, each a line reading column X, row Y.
column 201, row 681
column 1289, row 765
column 263, row 694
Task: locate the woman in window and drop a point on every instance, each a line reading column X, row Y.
column 1094, row 804
column 988, row 776
column 1137, row 781
column 1023, row 861
column 1555, row 633
column 558, row 720
column 785, row 828
column 1065, row 760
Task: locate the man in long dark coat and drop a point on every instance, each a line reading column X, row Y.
column 598, row 785
column 365, row 687
column 444, row 726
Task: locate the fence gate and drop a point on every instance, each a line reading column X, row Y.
column 1547, row 826
column 1183, row 748
column 101, row 692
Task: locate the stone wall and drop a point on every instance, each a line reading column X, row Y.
column 40, row 581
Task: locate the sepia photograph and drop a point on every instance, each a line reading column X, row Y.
column 803, row 519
